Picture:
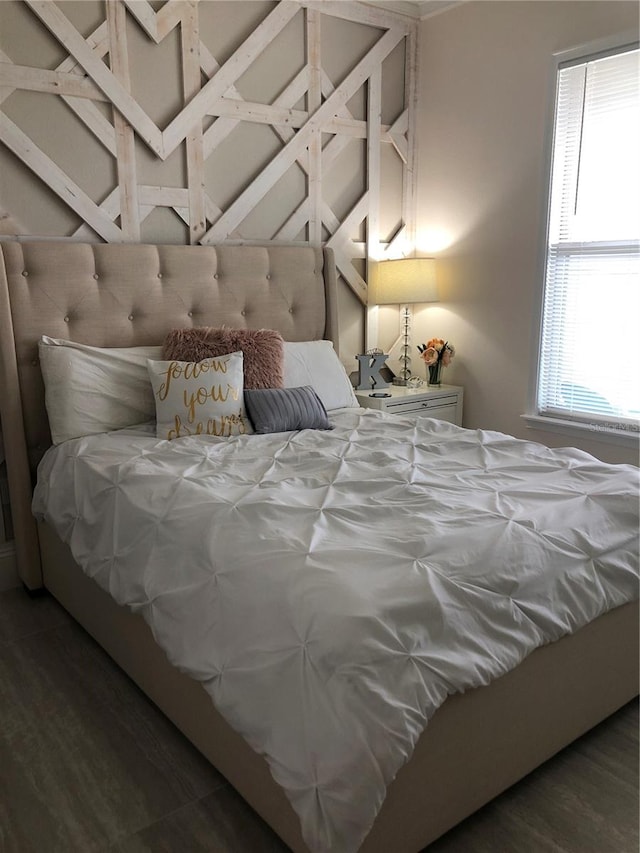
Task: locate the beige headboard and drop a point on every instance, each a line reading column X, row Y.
column 112, row 295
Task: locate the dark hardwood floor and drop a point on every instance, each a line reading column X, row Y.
column 87, row 763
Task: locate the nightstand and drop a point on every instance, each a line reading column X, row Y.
column 433, row 401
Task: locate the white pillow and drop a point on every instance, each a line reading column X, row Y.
column 199, row 397
column 90, row 390
column 315, row 363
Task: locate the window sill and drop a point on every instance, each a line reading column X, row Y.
column 626, row 435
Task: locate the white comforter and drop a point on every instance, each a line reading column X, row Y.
column 330, row 589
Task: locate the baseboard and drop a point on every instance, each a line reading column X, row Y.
column 8, row 569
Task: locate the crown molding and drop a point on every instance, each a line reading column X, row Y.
column 419, row 9
column 429, row 8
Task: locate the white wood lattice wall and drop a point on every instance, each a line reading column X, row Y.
column 311, row 117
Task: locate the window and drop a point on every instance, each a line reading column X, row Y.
column 589, row 358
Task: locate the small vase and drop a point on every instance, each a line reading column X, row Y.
column 435, row 372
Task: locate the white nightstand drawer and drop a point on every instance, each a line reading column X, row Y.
column 443, row 402
column 443, row 413
column 421, row 406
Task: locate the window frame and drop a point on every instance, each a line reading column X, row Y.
column 620, row 434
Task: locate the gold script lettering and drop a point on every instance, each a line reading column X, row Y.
column 198, row 398
column 189, row 370
column 224, row 426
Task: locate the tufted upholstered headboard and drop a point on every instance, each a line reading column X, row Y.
column 115, row 295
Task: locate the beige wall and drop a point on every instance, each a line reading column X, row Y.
column 484, row 92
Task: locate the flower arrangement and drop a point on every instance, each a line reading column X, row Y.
column 436, row 354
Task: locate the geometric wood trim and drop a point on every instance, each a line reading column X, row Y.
column 310, row 117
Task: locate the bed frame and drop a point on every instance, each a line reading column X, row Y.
column 478, row 743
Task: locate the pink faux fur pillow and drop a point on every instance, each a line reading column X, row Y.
column 262, row 348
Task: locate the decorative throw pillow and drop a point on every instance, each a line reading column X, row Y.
column 199, row 398
column 285, row 409
column 262, row 349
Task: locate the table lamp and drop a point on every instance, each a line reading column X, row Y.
column 404, row 282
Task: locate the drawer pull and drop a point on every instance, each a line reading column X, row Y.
column 439, row 401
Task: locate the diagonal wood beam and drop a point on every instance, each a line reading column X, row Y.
column 158, row 24
column 176, row 198
column 233, row 68
column 85, row 110
column 397, row 135
column 53, row 176
column 355, row 216
column 295, row 223
column 401, row 124
column 220, row 129
column 60, row 26
column 341, row 238
column 150, row 197
column 258, row 188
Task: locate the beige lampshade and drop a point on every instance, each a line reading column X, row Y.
column 403, row 282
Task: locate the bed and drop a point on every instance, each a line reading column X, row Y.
column 480, row 740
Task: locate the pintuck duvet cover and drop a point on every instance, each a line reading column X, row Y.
column 331, row 588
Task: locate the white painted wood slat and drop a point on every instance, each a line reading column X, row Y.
column 51, row 174
column 261, row 113
column 234, row 215
column 411, row 102
column 157, row 25
column 314, row 101
column 191, row 81
column 125, row 140
column 86, row 110
column 52, row 82
column 233, row 68
column 357, row 12
column 67, row 35
column 374, row 118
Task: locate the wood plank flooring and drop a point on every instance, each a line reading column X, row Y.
column 87, row 763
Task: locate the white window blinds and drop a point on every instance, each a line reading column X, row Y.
column 589, row 362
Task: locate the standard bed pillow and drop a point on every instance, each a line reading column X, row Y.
column 199, row 398
column 315, row 363
column 262, row 350
column 285, row 409
column 89, row 390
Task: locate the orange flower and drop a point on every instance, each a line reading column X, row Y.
column 429, row 355
column 436, row 351
column 437, row 343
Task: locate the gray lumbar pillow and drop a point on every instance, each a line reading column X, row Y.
column 285, row 409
